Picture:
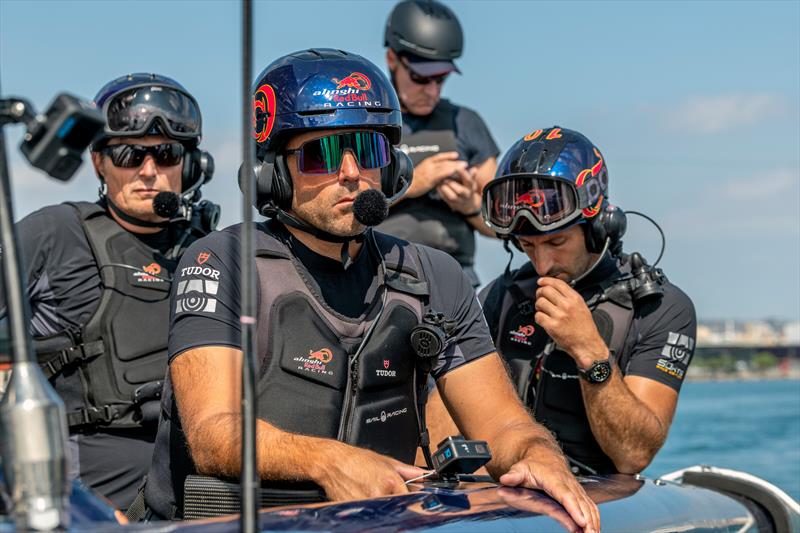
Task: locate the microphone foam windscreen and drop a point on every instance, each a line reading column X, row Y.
column 166, row 204
column 370, row 207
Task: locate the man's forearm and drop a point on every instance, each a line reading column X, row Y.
column 281, row 455
column 626, row 429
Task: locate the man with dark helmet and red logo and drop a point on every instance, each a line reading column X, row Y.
column 339, row 395
column 453, row 151
column 597, row 341
column 98, row 277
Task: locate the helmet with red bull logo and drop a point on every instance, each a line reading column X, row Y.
column 548, row 181
column 321, row 89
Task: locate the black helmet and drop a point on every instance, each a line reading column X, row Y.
column 426, row 29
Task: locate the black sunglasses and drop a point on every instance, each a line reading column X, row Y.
column 132, row 155
column 423, row 80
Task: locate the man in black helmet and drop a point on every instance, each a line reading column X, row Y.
column 339, row 306
column 98, row 277
column 453, row 152
column 597, row 342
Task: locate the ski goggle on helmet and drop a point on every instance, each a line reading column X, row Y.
column 547, row 181
column 141, row 104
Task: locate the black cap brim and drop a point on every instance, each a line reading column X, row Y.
column 426, row 68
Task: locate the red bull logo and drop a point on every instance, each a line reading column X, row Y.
column 526, row 330
column 532, row 198
column 522, row 334
column 153, row 269
column 355, row 80
column 263, row 112
column 324, row 355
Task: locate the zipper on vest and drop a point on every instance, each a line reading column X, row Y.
column 349, row 398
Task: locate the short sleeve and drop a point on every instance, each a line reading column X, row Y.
column 205, row 299
column 452, row 294
column 664, row 337
column 491, row 298
column 473, row 134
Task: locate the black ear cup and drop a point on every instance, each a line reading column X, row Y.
column 398, row 174
column 197, row 164
column 273, row 184
column 610, row 223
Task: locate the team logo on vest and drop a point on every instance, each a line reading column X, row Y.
column 148, row 274
column 315, row 362
column 386, row 415
column 196, row 296
column 349, row 91
column 202, row 257
column 386, row 373
column 522, row 335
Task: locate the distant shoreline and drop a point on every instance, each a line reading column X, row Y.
column 744, row 376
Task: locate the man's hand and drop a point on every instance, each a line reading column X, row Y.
column 551, row 475
column 355, row 473
column 562, row 312
column 461, row 194
column 433, row 170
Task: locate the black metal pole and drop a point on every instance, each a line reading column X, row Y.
column 249, row 476
column 16, row 303
column 33, row 429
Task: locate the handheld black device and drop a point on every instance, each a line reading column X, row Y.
column 55, row 140
column 457, row 455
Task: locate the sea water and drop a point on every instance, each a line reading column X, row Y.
column 752, row 426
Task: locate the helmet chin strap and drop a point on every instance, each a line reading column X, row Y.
column 290, row 220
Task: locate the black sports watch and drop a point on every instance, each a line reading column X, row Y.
column 599, row 372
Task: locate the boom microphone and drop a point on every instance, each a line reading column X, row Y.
column 166, row 204
column 371, row 207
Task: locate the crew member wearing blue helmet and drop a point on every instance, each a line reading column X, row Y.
column 339, row 308
column 98, row 276
column 597, row 341
column 453, row 151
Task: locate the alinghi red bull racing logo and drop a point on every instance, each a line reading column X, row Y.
column 352, row 90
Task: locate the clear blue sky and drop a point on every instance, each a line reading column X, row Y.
column 696, row 106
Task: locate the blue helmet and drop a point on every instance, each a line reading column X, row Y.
column 547, row 181
column 321, row 89
column 149, row 104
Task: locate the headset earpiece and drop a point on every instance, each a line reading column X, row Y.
column 197, row 165
column 610, row 223
column 397, row 174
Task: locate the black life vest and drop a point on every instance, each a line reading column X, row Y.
column 327, row 375
column 109, row 371
column 548, row 383
column 428, row 219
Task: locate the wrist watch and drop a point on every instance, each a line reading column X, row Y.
column 598, row 372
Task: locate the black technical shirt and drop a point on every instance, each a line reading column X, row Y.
column 661, row 328
column 62, row 279
column 348, row 291
column 474, row 141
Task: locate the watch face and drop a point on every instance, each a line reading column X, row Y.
column 599, row 372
